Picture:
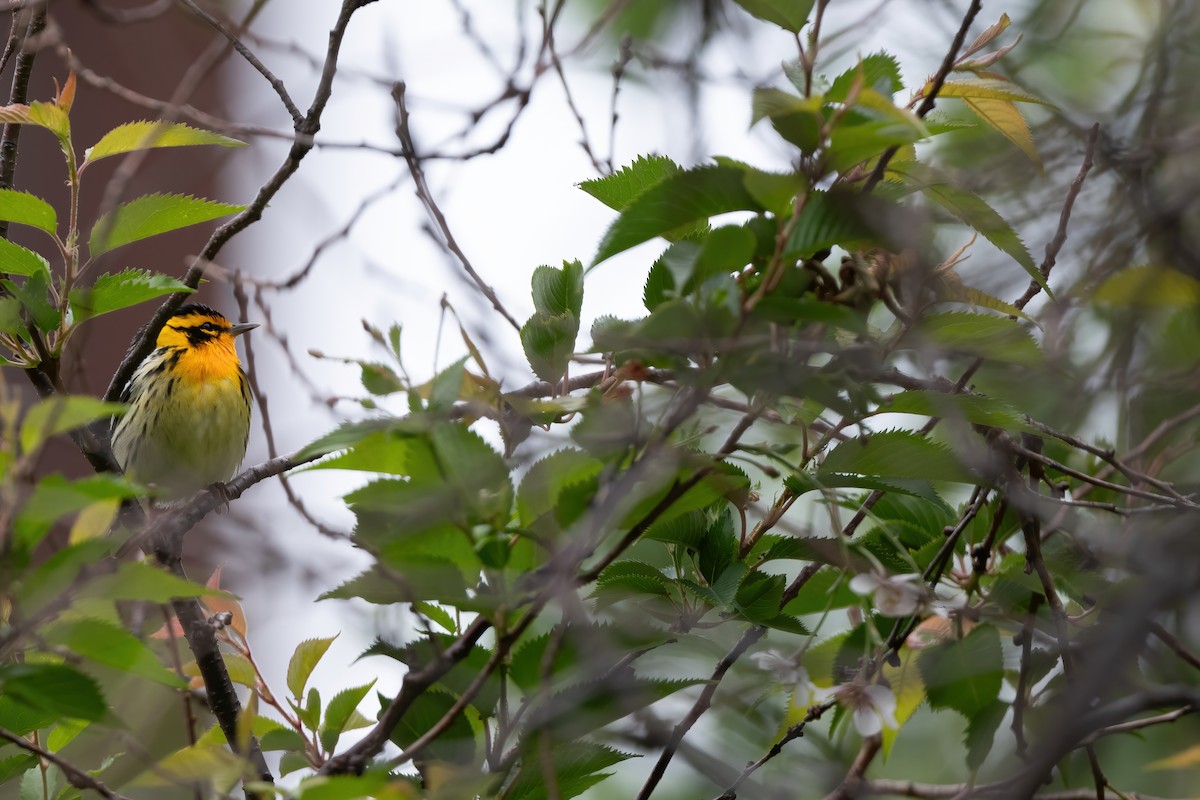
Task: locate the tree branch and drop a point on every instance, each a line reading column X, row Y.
column 75, row 776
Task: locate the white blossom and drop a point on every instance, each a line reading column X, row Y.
column 893, row 595
column 872, row 707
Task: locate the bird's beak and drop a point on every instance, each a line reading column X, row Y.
column 242, row 327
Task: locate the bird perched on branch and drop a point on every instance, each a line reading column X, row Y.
column 189, row 407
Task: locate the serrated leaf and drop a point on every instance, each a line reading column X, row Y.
column 975, row 409
column 1149, row 286
column 34, row 294
column 56, row 415
column 787, row 14
column 53, row 688
column 902, row 454
column 121, row 290
column 964, row 675
column 456, row 744
column 577, row 766
column 955, row 292
column 880, row 72
column 1007, row 120
column 113, row 646
column 17, row 260
column 143, row 581
column 682, row 199
column 304, row 659
column 558, row 291
column 145, row 135
column 151, row 215
column 621, row 188
column 549, row 343
column 27, row 209
column 987, row 89
column 834, row 218
column 547, row 478
column 971, row 211
column 341, row 706
column 995, row 338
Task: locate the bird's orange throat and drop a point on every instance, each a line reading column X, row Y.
column 213, row 361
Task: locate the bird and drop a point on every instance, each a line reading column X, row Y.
column 188, row 417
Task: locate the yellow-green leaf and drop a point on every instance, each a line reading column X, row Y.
column 60, row 414
column 1149, row 286
column 1006, row 119
column 145, row 135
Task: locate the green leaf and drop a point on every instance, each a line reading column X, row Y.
column 124, row 289
column 208, row 764
column 787, row 14
column 625, row 185
column 151, row 215
column 577, row 766
column 1149, row 286
column 27, row 209
column 338, row 712
column 880, row 72
column 17, row 260
column 798, row 120
column 343, row 787
column 112, row 646
column 955, row 292
column 558, row 291
column 539, row 492
column 964, row 675
column 55, row 496
column 631, row 576
column 981, row 732
column 14, row 765
column 34, row 294
column 53, row 688
column 143, row 581
column 56, row 415
column 456, row 744
column 973, row 408
column 549, row 343
column 903, row 454
column 994, row 338
column 145, row 135
column 971, row 210
column 682, row 199
column 835, row 218
column 304, row 659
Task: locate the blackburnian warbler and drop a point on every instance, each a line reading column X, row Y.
column 189, row 407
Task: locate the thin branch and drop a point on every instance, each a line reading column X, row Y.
column 935, row 86
column 435, row 213
column 748, row 638
column 236, row 42
column 793, row 733
column 75, row 776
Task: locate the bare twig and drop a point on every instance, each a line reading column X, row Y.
column 236, row 42
column 75, row 776
column 435, row 213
